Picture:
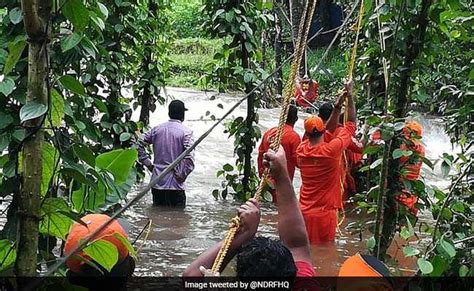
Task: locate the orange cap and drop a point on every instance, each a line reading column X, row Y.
column 314, row 123
column 79, row 232
column 413, row 126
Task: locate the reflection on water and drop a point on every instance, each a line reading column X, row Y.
column 177, row 237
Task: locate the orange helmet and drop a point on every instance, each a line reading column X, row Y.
column 414, row 127
column 314, row 123
column 79, row 232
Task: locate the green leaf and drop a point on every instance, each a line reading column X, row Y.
column 103, row 9
column 77, row 13
column 405, row 233
column 370, row 150
column 401, row 153
column 267, row 196
column 127, row 244
column 117, row 162
column 425, row 266
column 53, row 222
column 15, row 50
column 371, row 243
column 7, row 86
column 7, row 254
column 32, row 110
column 57, row 108
column 445, row 168
column 5, row 120
column 50, row 157
column 125, row 136
column 70, row 41
column 15, row 15
column 463, row 271
column 103, row 253
column 85, row 154
column 410, row 251
column 448, row 248
column 4, row 141
column 376, row 164
column 215, row 193
column 228, row 167
column 439, row 266
column 72, row 84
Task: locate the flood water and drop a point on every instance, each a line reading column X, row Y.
column 177, row 237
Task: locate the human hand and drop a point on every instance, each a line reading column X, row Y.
column 249, row 214
column 348, row 86
column 276, row 161
column 208, row 272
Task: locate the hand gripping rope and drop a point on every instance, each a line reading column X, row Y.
column 305, row 24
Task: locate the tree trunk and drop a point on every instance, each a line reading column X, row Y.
column 415, row 43
column 36, row 17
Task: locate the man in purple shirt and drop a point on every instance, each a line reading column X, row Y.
column 169, row 140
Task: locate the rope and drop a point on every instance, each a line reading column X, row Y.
column 158, row 178
column 349, row 74
column 304, row 26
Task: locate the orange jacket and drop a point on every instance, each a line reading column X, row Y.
column 320, row 167
column 412, row 165
column 290, row 141
column 79, row 232
column 311, row 94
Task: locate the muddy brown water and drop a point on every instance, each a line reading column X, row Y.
column 177, row 237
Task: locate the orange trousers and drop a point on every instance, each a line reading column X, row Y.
column 321, row 225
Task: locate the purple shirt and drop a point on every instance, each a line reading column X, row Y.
column 169, row 140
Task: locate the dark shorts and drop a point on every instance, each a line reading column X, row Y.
column 174, row 198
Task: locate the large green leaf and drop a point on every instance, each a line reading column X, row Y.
column 70, row 41
column 53, row 221
column 410, row 251
column 50, row 157
column 15, row 15
column 77, row 13
column 32, row 110
column 7, row 86
column 72, row 84
column 103, row 253
column 425, row 266
column 7, row 254
column 127, row 244
column 57, row 108
column 84, row 153
column 448, row 248
column 14, row 53
column 117, row 162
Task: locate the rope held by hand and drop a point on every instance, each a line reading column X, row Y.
column 303, row 32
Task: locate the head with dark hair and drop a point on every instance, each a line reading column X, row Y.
column 292, row 115
column 325, row 111
column 176, row 110
column 265, row 257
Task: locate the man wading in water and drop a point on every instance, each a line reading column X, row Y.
column 169, row 140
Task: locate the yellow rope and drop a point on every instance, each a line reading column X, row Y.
column 350, row 74
column 305, row 24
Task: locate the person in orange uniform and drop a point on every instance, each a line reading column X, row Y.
column 306, row 91
column 411, row 166
column 290, row 141
column 79, row 272
column 367, row 274
column 320, row 166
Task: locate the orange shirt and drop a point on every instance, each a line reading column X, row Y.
column 289, row 141
column 412, row 165
column 311, row 95
column 320, row 167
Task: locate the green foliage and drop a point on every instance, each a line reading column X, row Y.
column 103, row 253
column 238, row 66
column 186, row 19
column 7, row 254
column 117, row 162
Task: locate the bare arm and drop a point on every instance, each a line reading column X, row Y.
column 291, row 225
column 351, row 110
column 249, row 214
column 333, row 120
